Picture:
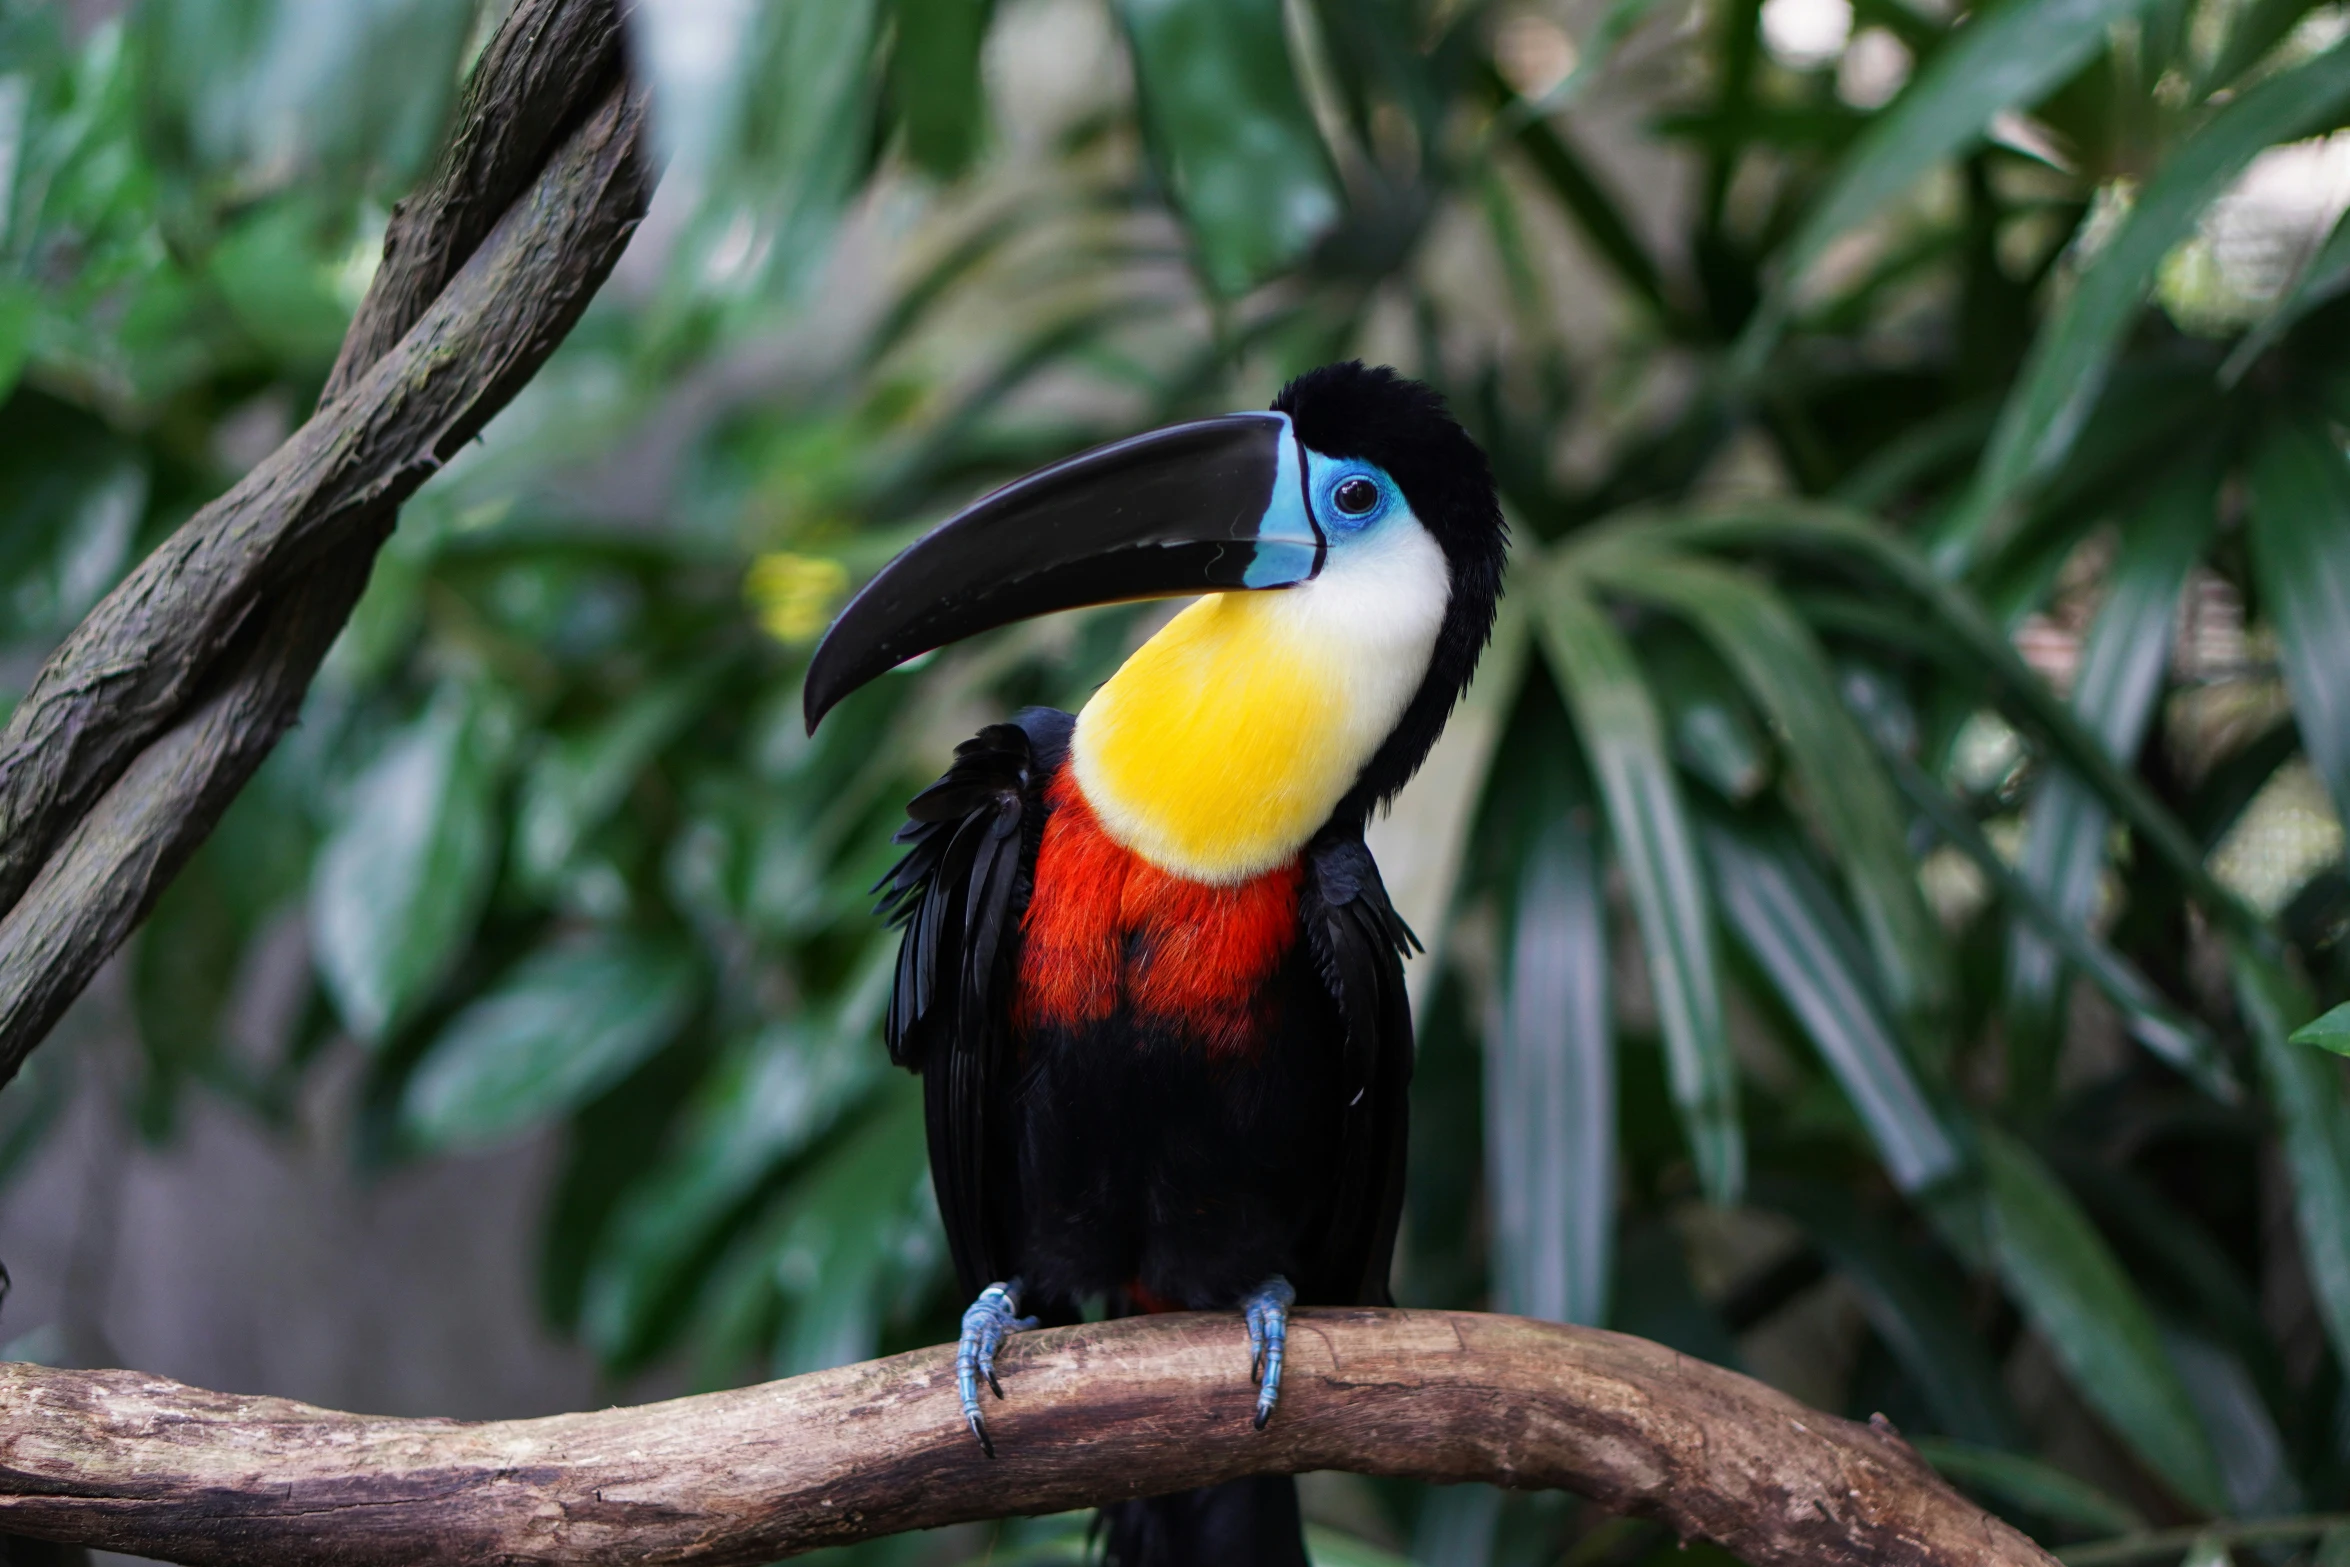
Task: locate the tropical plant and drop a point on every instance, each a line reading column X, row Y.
column 1850, row 951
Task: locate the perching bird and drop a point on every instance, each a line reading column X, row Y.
column 1149, row 974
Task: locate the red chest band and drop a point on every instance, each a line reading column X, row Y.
column 1105, row 926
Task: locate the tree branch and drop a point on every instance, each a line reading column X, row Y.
column 548, row 63
column 1092, row 1414
column 101, row 881
column 154, row 712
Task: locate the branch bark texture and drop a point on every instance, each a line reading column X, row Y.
column 1092, row 1414
column 547, row 62
column 155, row 711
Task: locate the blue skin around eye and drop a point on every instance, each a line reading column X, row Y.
column 1325, row 476
column 1288, row 546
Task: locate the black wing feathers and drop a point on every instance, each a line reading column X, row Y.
column 966, row 864
column 1359, row 942
column 958, row 895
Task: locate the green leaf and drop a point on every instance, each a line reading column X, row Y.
column 578, row 781
column 1594, row 208
column 20, row 308
column 1912, row 1300
column 2069, row 359
column 934, row 80
column 1789, row 923
column 858, row 1236
column 1617, row 721
column 2122, row 662
column 2322, row 279
column 384, row 624
column 2152, row 1019
column 1597, row 52
column 2120, row 677
column 1327, row 1547
column 1550, row 1076
column 75, row 493
column 764, row 1105
column 2180, row 1261
column 2153, row 409
column 2030, row 1486
column 2012, row 55
column 2299, row 531
column 2209, row 1551
column 267, row 269
column 1370, row 54
column 2331, row 1032
column 937, row 286
column 401, row 877
column 1715, row 733
column 2232, row 783
column 766, row 115
column 2254, row 29
column 565, row 1024
column 2076, row 1295
column 1844, row 789
column 608, row 1144
column 1231, row 133
column 1457, row 1525
column 1933, row 445
column 2306, row 1090
column 254, row 93
column 1466, row 768
column 1808, row 530
column 2244, row 1435
column 231, row 919
column 1657, row 1299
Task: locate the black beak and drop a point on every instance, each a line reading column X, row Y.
column 1205, row 507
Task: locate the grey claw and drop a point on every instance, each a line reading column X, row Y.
column 1268, row 1337
column 990, row 1319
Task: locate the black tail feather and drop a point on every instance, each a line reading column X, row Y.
column 1252, row 1522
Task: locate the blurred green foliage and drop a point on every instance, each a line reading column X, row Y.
column 1867, row 912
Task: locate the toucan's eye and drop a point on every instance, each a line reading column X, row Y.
column 1357, row 497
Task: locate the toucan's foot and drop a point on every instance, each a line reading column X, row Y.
column 1268, row 1338
column 992, row 1316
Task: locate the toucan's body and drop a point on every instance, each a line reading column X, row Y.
column 1176, row 1089
column 1149, row 974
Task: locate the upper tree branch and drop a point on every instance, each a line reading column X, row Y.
column 156, row 709
column 547, row 65
column 128, row 1462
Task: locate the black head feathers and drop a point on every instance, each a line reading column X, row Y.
column 1370, row 412
column 1352, row 409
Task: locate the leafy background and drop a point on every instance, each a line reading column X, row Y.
column 1869, row 892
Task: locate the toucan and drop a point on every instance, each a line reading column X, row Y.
column 1148, row 972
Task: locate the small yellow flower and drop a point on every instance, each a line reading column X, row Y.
column 794, row 594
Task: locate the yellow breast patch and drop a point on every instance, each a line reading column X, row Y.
column 1226, row 741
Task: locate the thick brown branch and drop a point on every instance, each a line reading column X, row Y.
column 549, row 63
column 117, row 764
column 101, row 881
column 135, row 663
column 1092, row 1414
